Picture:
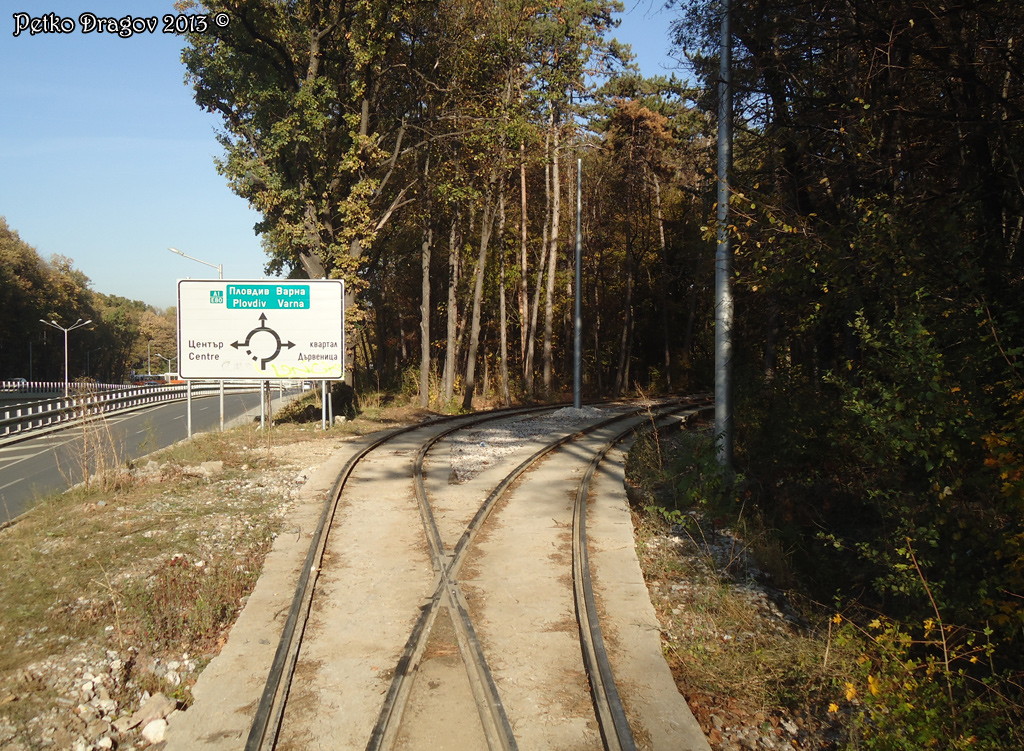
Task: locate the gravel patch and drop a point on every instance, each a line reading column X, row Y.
column 474, row 451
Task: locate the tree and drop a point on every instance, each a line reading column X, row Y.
column 878, row 206
column 313, row 97
column 31, row 290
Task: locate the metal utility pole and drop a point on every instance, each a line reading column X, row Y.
column 723, row 256
column 577, row 380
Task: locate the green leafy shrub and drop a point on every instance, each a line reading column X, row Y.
column 926, row 687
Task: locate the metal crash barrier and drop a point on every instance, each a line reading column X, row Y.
column 27, row 416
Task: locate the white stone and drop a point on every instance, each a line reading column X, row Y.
column 154, row 732
column 107, row 706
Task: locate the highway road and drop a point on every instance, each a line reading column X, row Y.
column 51, row 463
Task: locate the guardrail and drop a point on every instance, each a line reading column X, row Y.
column 21, row 386
column 52, row 412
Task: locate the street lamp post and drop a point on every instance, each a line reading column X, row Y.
column 218, row 266
column 168, row 360
column 220, row 275
column 76, row 325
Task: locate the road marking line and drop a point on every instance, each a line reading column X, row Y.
column 21, row 457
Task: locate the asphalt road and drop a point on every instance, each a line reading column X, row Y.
column 51, row 463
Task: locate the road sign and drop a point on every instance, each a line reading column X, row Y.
column 267, row 329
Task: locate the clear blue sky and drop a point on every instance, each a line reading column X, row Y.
column 107, row 160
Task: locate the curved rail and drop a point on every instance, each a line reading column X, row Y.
column 611, row 717
column 267, row 720
column 497, row 728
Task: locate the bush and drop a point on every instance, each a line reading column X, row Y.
column 931, row 687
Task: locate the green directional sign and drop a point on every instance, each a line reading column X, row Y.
column 268, row 296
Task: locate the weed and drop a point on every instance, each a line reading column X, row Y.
column 97, row 458
column 726, row 641
column 188, row 601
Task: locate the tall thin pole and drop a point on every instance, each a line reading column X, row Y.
column 66, row 389
column 577, row 381
column 78, row 324
column 220, row 275
column 723, row 256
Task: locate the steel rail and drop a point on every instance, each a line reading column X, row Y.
column 611, row 715
column 267, row 719
column 266, row 722
column 495, row 722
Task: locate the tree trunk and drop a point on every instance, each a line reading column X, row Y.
column 428, row 240
column 523, row 268
column 531, row 340
column 487, row 375
column 549, row 298
column 453, row 283
column 691, row 314
column 356, row 252
column 666, row 334
column 625, row 341
column 506, row 396
column 622, row 371
column 486, row 225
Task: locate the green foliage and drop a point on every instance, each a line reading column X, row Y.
column 681, row 473
column 929, row 686
column 699, row 480
column 32, row 289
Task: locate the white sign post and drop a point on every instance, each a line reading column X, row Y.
column 267, row 329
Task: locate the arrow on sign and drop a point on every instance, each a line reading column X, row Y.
column 278, row 344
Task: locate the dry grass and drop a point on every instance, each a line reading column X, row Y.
column 748, row 657
column 155, row 555
column 68, row 562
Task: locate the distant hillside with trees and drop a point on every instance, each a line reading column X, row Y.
column 32, row 289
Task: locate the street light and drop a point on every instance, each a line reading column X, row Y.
column 76, row 325
column 218, row 266
column 168, row 359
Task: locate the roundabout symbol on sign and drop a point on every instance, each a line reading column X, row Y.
column 262, row 343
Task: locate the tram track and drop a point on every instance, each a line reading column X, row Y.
column 446, row 602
